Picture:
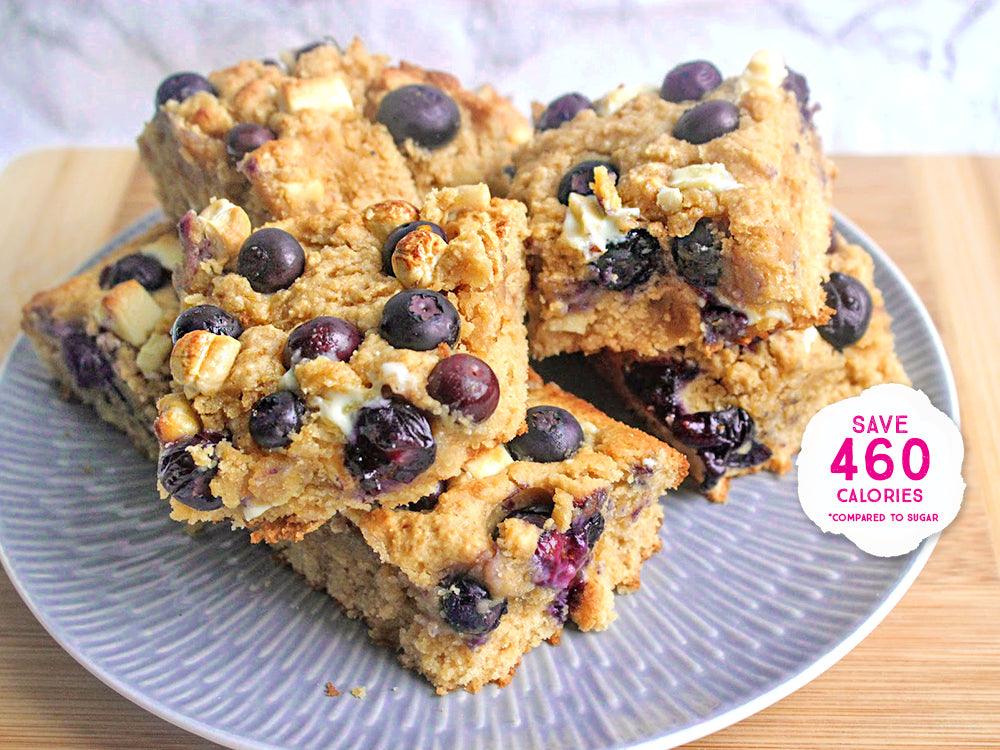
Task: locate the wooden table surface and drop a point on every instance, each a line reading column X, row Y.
column 927, row 677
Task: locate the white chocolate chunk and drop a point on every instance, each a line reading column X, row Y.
column 288, row 382
column 713, row 177
column 416, row 256
column 201, row 361
column 129, row 311
column 338, row 409
column 570, row 322
column 669, row 199
column 326, row 93
column 175, row 419
column 153, row 354
column 617, row 98
column 489, row 463
column 589, row 227
column 253, row 508
column 166, row 249
column 398, row 377
column 766, row 68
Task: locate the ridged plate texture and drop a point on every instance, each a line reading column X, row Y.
column 745, row 603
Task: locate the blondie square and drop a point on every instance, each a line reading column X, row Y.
column 696, row 215
column 325, row 128
column 341, row 360
column 527, row 537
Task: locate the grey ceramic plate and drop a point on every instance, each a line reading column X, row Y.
column 745, row 603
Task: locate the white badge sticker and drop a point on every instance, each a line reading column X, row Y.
column 884, row 469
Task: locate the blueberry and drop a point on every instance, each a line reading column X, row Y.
column 325, row 336
column 182, row 478
column 205, row 318
column 558, row 557
column 690, row 80
column 590, row 528
column 246, row 137
column 275, row 418
column 553, row 435
column 423, row 113
column 707, row 121
column 698, row 255
column 722, row 323
column 391, row 443
column 579, row 177
column 797, row 84
column 466, row 605
column 561, row 110
column 852, row 311
column 428, row 502
column 629, row 262
column 536, row 515
column 722, row 439
column 419, row 319
column 327, row 41
column 466, row 385
column 85, row 361
column 389, row 246
column 180, row 86
column 145, row 269
column 657, row 384
column 271, row 259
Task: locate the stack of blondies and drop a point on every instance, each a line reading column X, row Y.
column 324, row 339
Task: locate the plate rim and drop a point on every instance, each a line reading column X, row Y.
column 672, row 738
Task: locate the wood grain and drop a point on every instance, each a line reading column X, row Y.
column 927, row 677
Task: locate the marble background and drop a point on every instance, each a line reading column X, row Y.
column 892, row 75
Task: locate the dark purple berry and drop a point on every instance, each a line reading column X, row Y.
column 325, row 336
column 553, row 435
column 590, row 528
column 722, row 439
column 205, row 318
column 275, row 418
column 389, row 246
column 85, row 361
column 423, row 113
column 852, row 311
column 629, row 262
column 722, row 323
column 246, row 137
column 180, row 86
column 698, row 255
column 707, row 121
column 536, row 515
column 657, row 384
column 466, row 605
column 145, row 269
column 558, row 557
column 797, row 84
column 327, row 41
column 271, row 259
column 466, row 385
column 690, row 80
column 428, row 502
column 579, row 177
column 391, row 443
column 561, row 110
column 182, row 478
column 419, row 319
